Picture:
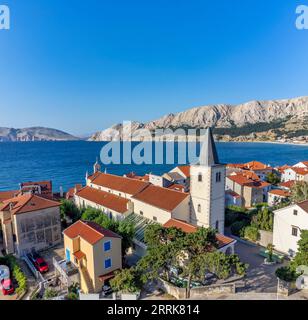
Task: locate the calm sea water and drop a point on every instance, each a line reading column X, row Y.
column 66, row 163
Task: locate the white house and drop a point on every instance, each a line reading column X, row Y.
column 288, row 224
column 302, row 164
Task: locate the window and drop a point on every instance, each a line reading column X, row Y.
column 199, row 207
column 217, row 225
column 107, row 246
column 200, row 177
column 218, row 177
column 155, row 218
column 141, row 213
column 294, row 231
column 68, row 255
column 108, row 263
column 295, row 212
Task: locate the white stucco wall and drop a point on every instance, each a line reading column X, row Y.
column 284, row 220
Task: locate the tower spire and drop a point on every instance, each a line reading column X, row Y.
column 208, row 154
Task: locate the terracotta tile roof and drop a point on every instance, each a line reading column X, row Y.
column 256, row 165
column 121, row 184
column 133, row 175
column 287, row 184
column 79, row 255
column 236, row 165
column 301, row 171
column 303, row 205
column 283, row 168
column 89, row 231
column 177, row 187
column 244, row 181
column 189, row 228
column 27, row 203
column 182, row 225
column 104, row 199
column 4, row 195
column 71, row 192
column 281, row 193
column 162, row 198
column 185, row 170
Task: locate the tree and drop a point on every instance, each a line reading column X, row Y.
column 50, row 293
column 127, row 280
column 264, row 219
column 272, row 178
column 270, row 248
column 299, row 191
column 69, row 209
column 252, row 233
column 125, row 229
column 301, row 257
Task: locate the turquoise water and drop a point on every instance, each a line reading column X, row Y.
column 66, row 163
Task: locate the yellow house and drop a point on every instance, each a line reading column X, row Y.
column 95, row 251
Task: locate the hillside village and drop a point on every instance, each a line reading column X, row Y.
column 197, row 232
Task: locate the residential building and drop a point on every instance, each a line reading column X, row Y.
column 29, row 222
column 233, row 199
column 252, row 191
column 95, row 251
column 302, row 164
column 259, row 168
column 295, row 174
column 42, row 188
column 287, row 185
column 277, row 196
column 288, row 224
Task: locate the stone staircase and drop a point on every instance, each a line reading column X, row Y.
column 87, row 279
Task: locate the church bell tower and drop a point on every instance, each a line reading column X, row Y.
column 207, row 187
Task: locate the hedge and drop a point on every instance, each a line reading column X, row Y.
column 17, row 273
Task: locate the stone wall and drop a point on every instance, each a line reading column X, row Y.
column 196, row 293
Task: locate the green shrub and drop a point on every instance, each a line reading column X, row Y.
column 238, row 228
column 286, row 274
column 252, row 233
column 50, row 293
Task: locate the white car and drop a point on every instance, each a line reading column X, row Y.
column 4, row 273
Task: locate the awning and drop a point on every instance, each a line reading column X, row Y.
column 107, row 276
column 79, row 255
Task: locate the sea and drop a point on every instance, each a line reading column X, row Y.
column 66, row 163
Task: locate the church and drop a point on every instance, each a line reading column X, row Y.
column 124, row 197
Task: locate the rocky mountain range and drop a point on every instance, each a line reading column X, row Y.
column 34, row 134
column 270, row 120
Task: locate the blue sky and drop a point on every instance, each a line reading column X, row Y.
column 81, row 66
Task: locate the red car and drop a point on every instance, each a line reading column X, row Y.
column 7, row 287
column 39, row 263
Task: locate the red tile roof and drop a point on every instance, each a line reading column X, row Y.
column 189, row 228
column 287, row 184
column 303, row 205
column 71, row 192
column 27, row 203
column 79, row 255
column 256, row 165
column 104, row 199
column 244, row 181
column 233, row 194
column 281, row 193
column 45, row 186
column 122, row 184
column 4, row 195
column 89, row 231
column 185, row 170
column 162, row 198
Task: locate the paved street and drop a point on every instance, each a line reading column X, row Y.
column 260, row 278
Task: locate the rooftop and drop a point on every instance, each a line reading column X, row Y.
column 121, row 184
column 27, row 203
column 89, row 231
column 104, row 199
column 281, row 193
column 162, row 198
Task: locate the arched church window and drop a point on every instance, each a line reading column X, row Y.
column 199, row 207
column 200, row 177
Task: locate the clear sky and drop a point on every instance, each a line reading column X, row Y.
column 81, row 66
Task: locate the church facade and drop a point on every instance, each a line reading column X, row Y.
column 203, row 205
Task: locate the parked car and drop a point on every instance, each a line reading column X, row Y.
column 4, row 272
column 6, row 286
column 39, row 263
